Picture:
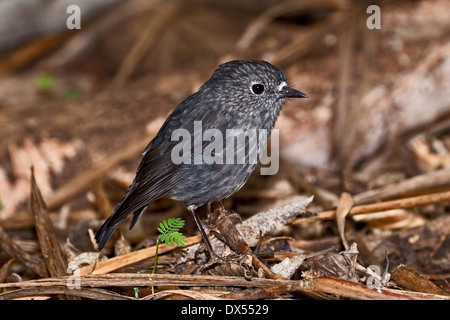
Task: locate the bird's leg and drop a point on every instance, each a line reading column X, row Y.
column 209, row 248
column 213, row 257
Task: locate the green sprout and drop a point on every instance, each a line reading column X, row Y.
column 170, row 236
column 169, row 232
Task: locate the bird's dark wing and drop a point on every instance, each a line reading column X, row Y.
column 155, row 176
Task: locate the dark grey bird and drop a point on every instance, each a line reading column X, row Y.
column 244, row 95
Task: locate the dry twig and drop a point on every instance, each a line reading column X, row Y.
column 421, row 184
column 382, row 206
column 268, row 287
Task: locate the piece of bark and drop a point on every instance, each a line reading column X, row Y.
column 272, row 220
column 411, row 279
column 50, row 247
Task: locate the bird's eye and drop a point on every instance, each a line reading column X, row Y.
column 258, row 88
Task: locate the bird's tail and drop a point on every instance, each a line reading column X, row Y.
column 104, row 233
column 135, row 201
column 106, row 230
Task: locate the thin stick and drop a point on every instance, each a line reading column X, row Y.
column 338, row 287
column 144, row 280
column 382, row 206
column 89, row 293
column 434, row 181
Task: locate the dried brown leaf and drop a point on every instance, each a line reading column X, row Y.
column 340, row 265
column 48, row 240
column 344, row 206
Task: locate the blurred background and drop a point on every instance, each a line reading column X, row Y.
column 79, row 105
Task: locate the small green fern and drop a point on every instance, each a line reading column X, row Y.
column 169, row 232
column 170, row 236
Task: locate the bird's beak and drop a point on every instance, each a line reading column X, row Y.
column 287, row 92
